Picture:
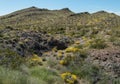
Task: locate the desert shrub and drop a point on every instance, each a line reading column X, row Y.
column 72, row 49
column 98, row 44
column 116, row 32
column 52, row 63
column 80, row 46
column 83, row 31
column 66, row 59
column 72, row 54
column 79, row 57
column 60, row 54
column 84, row 43
column 34, row 60
column 69, row 78
column 115, row 40
column 86, row 71
column 89, row 72
column 83, row 53
column 77, row 42
column 63, row 62
column 11, row 59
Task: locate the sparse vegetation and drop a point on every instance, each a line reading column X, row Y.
column 98, row 44
column 41, row 46
column 34, row 75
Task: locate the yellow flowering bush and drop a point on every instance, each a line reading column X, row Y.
column 60, row 55
column 35, row 60
column 69, row 77
column 88, row 43
column 72, row 49
column 85, row 43
column 77, row 42
column 65, row 60
column 84, row 38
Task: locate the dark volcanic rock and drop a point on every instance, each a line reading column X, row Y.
column 59, row 44
column 27, row 43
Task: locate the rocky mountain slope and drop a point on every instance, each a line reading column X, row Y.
column 83, row 47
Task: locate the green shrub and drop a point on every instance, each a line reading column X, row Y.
column 115, row 40
column 98, row 44
column 35, row 60
column 85, row 71
column 11, row 59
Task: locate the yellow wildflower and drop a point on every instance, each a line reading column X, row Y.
column 69, row 78
column 72, row 49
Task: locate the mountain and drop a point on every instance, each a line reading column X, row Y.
column 34, row 17
column 83, row 47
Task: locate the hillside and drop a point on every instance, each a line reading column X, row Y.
column 42, row 46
